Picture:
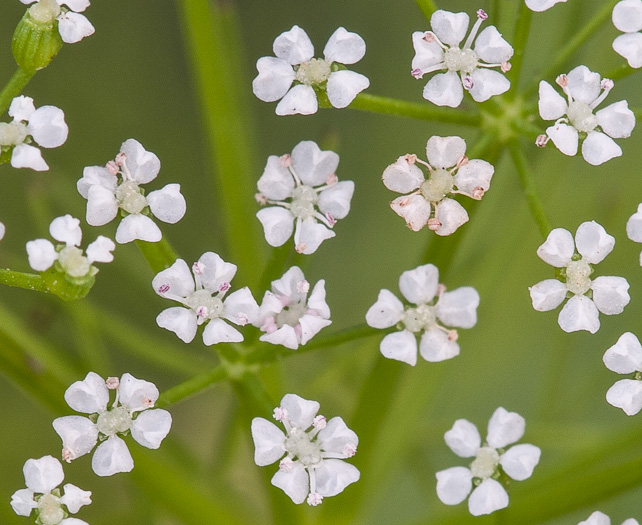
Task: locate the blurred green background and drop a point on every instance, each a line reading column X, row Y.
column 134, row 78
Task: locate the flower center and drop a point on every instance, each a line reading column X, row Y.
column 420, row 318
column 303, row 200
column 314, row 72
column 45, row 11
column 206, row 306
column 581, row 116
column 73, row 262
column 290, row 314
column 49, row 510
column 130, row 198
column 437, row 186
column 485, row 463
column 465, row 60
column 577, row 277
column 299, row 445
column 12, row 133
column 113, row 421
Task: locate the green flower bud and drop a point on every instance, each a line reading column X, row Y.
column 36, row 39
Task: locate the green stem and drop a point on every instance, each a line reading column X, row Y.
column 428, row 7
column 159, row 255
column 28, row 281
column 195, row 385
column 522, row 30
column 13, row 88
column 528, row 185
column 420, row 111
column 620, row 72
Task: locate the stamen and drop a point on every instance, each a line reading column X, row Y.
column 417, row 73
column 434, row 224
column 147, row 402
column 331, row 220
column 462, row 162
column 453, row 335
column 120, row 159
column 541, row 140
column 261, row 199
column 303, row 286
column 477, row 193
column 300, row 248
column 606, row 85
column 286, row 465
column 242, row 319
column 349, row 450
column 224, row 287
column 481, row 16
column 331, row 179
column 468, row 83
column 163, row 288
column 315, row 499
column 286, row 160
column 67, row 455
column 202, row 311
column 112, row 167
column 319, row 422
column 410, row 158
column 505, row 67
column 112, row 383
column 280, row 413
column 198, row 268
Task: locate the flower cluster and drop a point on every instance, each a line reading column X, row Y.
column 72, row 26
column 627, row 17
column 625, row 357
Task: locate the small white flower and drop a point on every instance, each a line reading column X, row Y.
column 634, row 227
column 202, row 296
column 312, row 468
column 287, row 316
column 467, row 68
column 433, row 306
column 575, row 119
column 128, row 413
column 2, row 231
column 541, row 5
column 69, row 258
column 117, row 186
column 294, row 63
column 51, row 506
column 44, row 126
column 627, row 17
column 491, row 459
column 449, row 172
column 304, row 191
column 72, row 26
column 599, row 518
column 573, row 259
column 625, row 357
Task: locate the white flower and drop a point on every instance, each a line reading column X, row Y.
column 286, row 314
column 608, row 295
column 294, row 63
column 305, row 191
column 51, row 506
column 2, row 231
column 627, row 17
column 449, row 172
column 491, row 459
column 313, row 447
column 116, row 186
column 599, row 518
column 625, row 357
column 44, row 126
column 467, row 68
column 70, row 259
column 433, row 306
column 634, row 227
column 541, row 5
column 72, row 26
column 575, row 119
column 202, row 296
column 128, row 413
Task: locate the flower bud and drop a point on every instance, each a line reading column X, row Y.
column 36, row 40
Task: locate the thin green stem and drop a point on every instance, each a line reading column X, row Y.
column 522, row 30
column 159, row 255
column 428, row 7
column 13, row 88
column 195, row 385
column 402, row 108
column 528, row 185
column 28, row 281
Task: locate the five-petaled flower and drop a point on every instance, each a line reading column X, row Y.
column 287, row 316
column 202, row 296
column 573, row 259
column 467, row 68
column 312, row 77
column 305, row 195
column 312, row 468
column 117, row 186
column 72, row 26
column 449, row 171
column 575, row 119
column 433, row 305
column 491, row 460
column 599, row 518
column 44, row 126
column 625, row 357
column 634, row 227
column 627, row 17
column 541, row 5
column 51, row 506
column 130, row 412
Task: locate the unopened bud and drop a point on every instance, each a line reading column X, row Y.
column 36, row 40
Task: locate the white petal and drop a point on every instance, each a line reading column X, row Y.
column 47, row 126
column 111, row 457
column 449, row 27
column 74, row 498
column 66, row 229
column 22, row 108
column 593, row 243
column 79, row 435
column 336, row 436
column 488, row 497
column 309, row 234
column 217, row 272
column 548, row 295
column 598, row 148
column 634, row 226
column 293, row 46
column 616, row 120
column 274, row 79
column 143, row 165
column 317, row 301
column 402, row 176
column 630, row 47
column 583, row 84
column 491, row 47
column 43, row 475
column 463, row 438
column 301, row 411
column 414, row 209
column 136, row 394
column 288, row 284
column 102, row 206
column 627, row 16
column 505, row 428
column 334, row 475
column 74, row 27
column 459, row 307
column 137, row 226
column 42, row 254
column 26, row 156
column 284, row 336
column 100, row 250
column 627, row 395
column 435, row 346
column 343, row 86
column 551, row 104
column 597, row 518
column 519, row 461
column 167, row 204
column 151, row 426
column 386, row 312
column 610, row 294
column 487, row 83
column 419, row 286
column 444, row 89
column 312, row 164
column 89, row 396
column 301, row 99
column 311, row 325
column 445, row 152
column 218, row 331
column 401, row 346
column 427, row 54
column 454, row 485
column 22, row 502
column 335, row 200
column 295, row 483
column 579, row 313
column 96, row 175
column 451, row 215
column 344, row 47
column 176, row 280
column 625, row 356
column 268, row 442
column 241, row 307
column 558, row 248
column 542, row 5
column 73, row 521
column 565, row 138
column 276, row 183
column 476, row 174
column 179, row 320
column 2, row 231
